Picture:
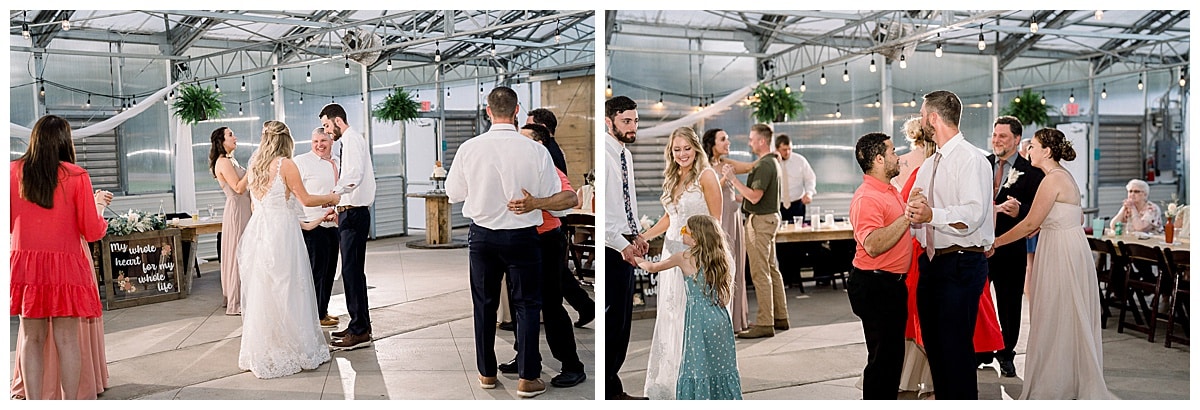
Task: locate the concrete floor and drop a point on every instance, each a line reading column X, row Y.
column 822, row 356
column 423, row 350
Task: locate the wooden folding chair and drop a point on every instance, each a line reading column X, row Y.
column 1181, row 294
column 1109, row 274
column 1146, row 266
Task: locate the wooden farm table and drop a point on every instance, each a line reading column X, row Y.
column 437, row 222
column 797, row 233
column 1181, row 244
column 190, row 231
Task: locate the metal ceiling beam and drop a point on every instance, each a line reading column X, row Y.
column 291, row 51
column 241, row 16
column 1015, row 45
column 187, row 31
column 1175, row 18
column 42, row 32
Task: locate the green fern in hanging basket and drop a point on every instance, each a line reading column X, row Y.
column 772, row 104
column 399, row 106
column 196, row 103
column 1029, row 110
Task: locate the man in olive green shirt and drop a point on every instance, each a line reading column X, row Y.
column 761, row 205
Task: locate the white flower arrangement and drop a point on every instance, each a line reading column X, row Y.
column 1172, row 209
column 647, row 222
column 1013, row 174
column 135, row 221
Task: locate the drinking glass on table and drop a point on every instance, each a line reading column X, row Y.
column 212, row 214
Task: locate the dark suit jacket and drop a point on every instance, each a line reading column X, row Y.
column 1023, row 189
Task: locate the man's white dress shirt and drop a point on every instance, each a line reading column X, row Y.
column 616, row 222
column 800, row 176
column 319, row 177
column 356, row 169
column 491, row 169
column 962, row 193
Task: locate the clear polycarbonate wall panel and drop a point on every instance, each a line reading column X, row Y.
column 21, row 88
column 387, row 144
column 969, row 77
column 256, row 108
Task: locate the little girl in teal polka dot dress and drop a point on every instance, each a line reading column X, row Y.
column 709, row 369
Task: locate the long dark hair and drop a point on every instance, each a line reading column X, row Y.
column 49, row 146
column 709, row 141
column 217, row 150
column 556, row 154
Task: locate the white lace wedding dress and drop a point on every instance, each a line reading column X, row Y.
column 666, row 347
column 280, row 335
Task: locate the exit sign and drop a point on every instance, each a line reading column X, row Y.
column 1071, row 109
column 425, row 106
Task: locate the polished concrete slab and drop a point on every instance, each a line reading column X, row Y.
column 423, row 349
column 822, row 356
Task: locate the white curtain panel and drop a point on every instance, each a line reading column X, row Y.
column 106, row 125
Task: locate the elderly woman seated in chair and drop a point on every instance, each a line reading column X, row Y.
column 1137, row 212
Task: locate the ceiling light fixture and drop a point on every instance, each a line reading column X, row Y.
column 903, row 61
column 308, row 73
column 1104, row 92
column 982, row 44
column 25, row 30
column 803, row 87
column 1182, row 77
column 787, row 86
column 301, row 98
column 937, row 52
column 1140, row 84
column 846, row 73
column 437, row 53
column 1099, row 14
column 838, row 114
column 243, row 83
column 1043, row 100
column 66, row 25
column 989, row 103
column 1072, row 97
column 89, row 102
column 660, row 100
column 913, row 102
column 389, row 64
column 559, row 80
column 1033, row 26
column 347, row 68
column 877, row 103
column 822, row 75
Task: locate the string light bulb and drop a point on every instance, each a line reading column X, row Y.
column 481, row 89
column 274, row 80
column 803, row 87
column 308, row 73
column 1104, row 92
column 982, row 44
column 1017, row 99
column 559, row 80
column 913, row 102
column 66, row 25
column 239, row 108
column 823, row 75
column 989, row 103
column 937, row 52
column 88, row 104
column 838, row 113
column 846, row 73
column 272, row 100
column 660, row 101
column 1033, row 26
column 903, row 61
column 872, row 66
column 1182, row 77
column 218, row 85
column 1099, row 14
column 787, row 86
column 1072, row 97
column 389, row 64
column 243, row 83
column 1140, row 84
column 1043, row 100
column 608, row 90
column 877, row 103
column 437, row 52
column 42, row 91
column 347, row 71
column 25, row 30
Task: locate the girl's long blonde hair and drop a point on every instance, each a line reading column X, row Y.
column 671, row 173
column 711, row 253
column 276, row 143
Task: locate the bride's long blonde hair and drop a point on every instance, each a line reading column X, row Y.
column 671, row 173
column 276, row 143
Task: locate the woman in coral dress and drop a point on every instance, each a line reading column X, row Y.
column 53, row 209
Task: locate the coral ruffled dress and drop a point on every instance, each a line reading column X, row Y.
column 51, row 275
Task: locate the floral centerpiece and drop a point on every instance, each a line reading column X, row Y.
column 135, row 221
column 1172, row 211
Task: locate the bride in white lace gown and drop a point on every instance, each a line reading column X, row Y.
column 280, row 335
column 690, row 188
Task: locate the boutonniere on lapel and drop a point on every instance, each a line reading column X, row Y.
column 1013, row 174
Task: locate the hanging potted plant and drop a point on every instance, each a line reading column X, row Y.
column 1028, row 108
column 773, row 104
column 196, row 103
column 399, row 106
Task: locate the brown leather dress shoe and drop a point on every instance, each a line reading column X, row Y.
column 782, row 324
column 486, row 382
column 530, row 388
column 757, row 332
column 351, row 342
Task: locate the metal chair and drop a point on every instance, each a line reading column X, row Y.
column 1146, row 268
column 1181, row 294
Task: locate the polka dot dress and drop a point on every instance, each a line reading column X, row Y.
column 709, row 370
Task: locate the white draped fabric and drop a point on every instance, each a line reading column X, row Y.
column 106, row 125
column 185, row 179
column 718, row 107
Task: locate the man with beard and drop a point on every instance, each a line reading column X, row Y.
column 622, row 239
column 1014, row 183
column 357, row 178
column 883, row 252
column 951, row 208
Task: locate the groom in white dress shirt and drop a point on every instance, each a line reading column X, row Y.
column 488, row 171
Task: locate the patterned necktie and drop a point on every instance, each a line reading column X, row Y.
column 625, row 193
column 929, row 249
column 999, row 178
